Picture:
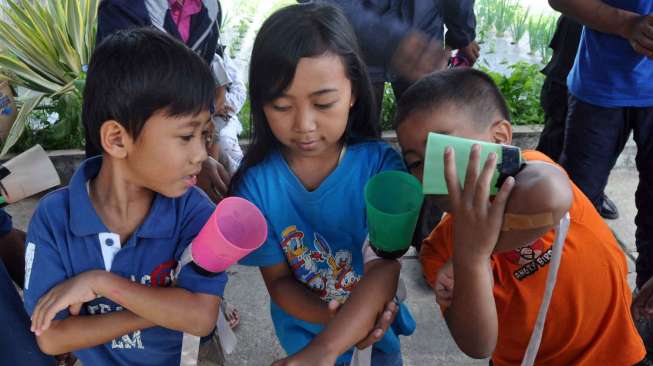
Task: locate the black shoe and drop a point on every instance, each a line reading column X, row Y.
column 608, row 209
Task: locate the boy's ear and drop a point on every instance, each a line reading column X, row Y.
column 114, row 139
column 501, row 132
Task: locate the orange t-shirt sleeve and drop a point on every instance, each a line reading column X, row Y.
column 580, row 203
column 436, row 250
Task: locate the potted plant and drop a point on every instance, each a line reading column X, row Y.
column 44, row 49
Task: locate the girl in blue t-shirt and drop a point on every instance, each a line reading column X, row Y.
column 314, row 146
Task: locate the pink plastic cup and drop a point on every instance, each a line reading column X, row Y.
column 235, row 229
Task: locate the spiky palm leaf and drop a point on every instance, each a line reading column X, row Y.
column 44, row 46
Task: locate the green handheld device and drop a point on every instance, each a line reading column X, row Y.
column 509, row 161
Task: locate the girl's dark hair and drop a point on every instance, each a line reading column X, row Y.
column 291, row 33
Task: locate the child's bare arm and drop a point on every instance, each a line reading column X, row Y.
column 166, row 307
column 294, row 298
column 472, row 317
column 540, row 188
column 85, row 331
column 356, row 317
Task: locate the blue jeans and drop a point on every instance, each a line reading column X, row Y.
column 382, row 359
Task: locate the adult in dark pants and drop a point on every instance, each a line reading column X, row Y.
column 611, row 94
column 17, row 343
column 554, row 96
column 554, row 91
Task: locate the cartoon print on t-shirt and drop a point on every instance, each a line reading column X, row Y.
column 329, row 275
column 530, row 258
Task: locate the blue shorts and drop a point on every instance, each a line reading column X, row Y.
column 380, row 358
column 17, row 343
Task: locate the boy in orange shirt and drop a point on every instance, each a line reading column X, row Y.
column 500, row 275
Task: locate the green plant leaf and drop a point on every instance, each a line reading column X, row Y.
column 17, row 128
column 44, row 46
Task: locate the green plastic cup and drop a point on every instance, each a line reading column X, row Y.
column 393, row 200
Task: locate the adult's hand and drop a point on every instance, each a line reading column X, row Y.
column 471, row 52
column 640, row 34
column 418, row 55
column 214, row 180
column 642, row 306
column 220, row 94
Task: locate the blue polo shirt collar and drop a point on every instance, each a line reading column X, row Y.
column 160, row 221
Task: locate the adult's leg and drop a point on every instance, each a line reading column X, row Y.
column 594, row 138
column 642, row 120
column 553, row 99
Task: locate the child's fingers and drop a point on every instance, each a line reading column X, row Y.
column 37, row 314
column 649, row 305
column 499, row 204
column 333, row 307
column 447, row 282
column 50, row 310
column 40, row 318
column 471, row 176
column 75, row 309
column 34, row 318
column 451, row 176
column 444, row 295
column 482, row 191
column 444, row 280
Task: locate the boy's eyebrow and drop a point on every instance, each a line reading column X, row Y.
column 192, row 123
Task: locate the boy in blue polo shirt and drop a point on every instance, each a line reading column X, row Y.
column 100, row 252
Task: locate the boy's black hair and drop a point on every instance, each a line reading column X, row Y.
column 135, row 73
column 292, row 33
column 466, row 88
